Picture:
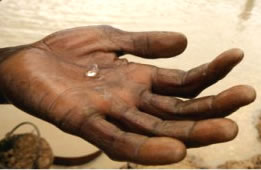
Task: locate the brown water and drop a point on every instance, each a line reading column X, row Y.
column 211, row 26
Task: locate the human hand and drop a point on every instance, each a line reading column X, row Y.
column 129, row 110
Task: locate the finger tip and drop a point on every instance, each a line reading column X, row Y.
column 182, row 42
column 227, row 60
column 213, row 131
column 235, row 97
column 172, row 149
column 161, row 151
column 229, row 129
column 251, row 92
column 175, row 43
column 180, row 152
column 248, row 94
column 224, row 130
column 235, row 54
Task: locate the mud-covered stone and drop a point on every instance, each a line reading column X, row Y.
column 25, row 151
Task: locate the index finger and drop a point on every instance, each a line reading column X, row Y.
column 189, row 84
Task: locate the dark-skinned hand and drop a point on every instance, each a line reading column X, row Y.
column 129, row 110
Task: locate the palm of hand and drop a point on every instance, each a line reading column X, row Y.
column 128, row 109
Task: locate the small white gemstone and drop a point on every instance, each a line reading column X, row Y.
column 91, row 74
column 93, row 71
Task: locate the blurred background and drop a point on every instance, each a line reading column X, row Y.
column 211, row 27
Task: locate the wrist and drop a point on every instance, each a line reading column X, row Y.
column 9, row 51
column 6, row 53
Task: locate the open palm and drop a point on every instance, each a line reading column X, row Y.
column 129, row 110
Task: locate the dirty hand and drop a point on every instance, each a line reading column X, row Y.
column 129, row 110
